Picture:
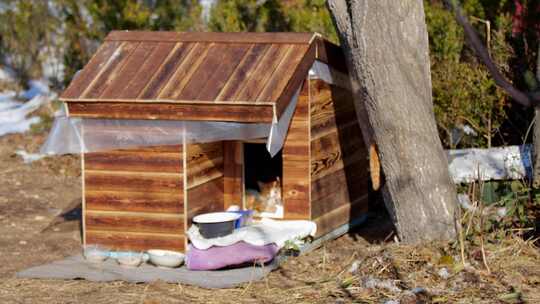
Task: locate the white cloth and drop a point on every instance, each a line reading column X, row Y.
column 264, row 232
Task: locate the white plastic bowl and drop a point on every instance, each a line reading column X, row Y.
column 130, row 259
column 166, row 258
column 95, row 253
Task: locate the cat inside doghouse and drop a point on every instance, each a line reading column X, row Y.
column 262, row 177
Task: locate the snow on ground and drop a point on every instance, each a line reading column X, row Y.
column 16, row 108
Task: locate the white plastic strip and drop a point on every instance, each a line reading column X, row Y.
column 66, row 135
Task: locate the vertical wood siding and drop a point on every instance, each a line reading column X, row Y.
column 339, row 162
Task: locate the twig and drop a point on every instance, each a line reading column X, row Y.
column 480, row 202
column 471, row 35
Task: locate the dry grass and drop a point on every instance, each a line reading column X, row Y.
column 347, row 270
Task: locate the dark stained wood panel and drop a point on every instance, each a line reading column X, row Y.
column 331, row 54
column 296, row 167
column 340, row 216
column 134, row 198
column 123, row 241
column 204, row 163
column 243, row 72
column 206, row 197
column 135, row 222
column 147, row 70
column 133, row 181
column 129, row 70
column 276, row 85
column 296, row 79
column 185, row 70
column 339, row 162
column 205, row 183
column 233, row 166
column 207, row 68
column 144, row 201
column 84, row 77
column 172, row 111
column 218, row 77
column 165, row 71
column 110, row 70
column 240, row 37
column 134, row 161
column 264, row 70
column 200, row 68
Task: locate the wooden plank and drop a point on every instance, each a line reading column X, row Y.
column 216, row 79
column 338, row 188
column 144, row 201
column 165, row 71
column 281, row 76
column 129, row 70
column 170, row 111
column 339, row 162
column 135, row 241
column 233, row 173
column 166, row 150
column 266, row 66
column 336, row 151
column 342, row 215
column 243, row 37
column 135, row 222
column 133, row 181
column 207, row 197
column 134, row 161
column 296, row 168
column 82, row 79
column 243, row 72
column 110, row 70
column 296, row 80
column 147, row 70
column 325, row 112
column 185, row 70
column 204, row 162
column 209, row 67
column 331, row 54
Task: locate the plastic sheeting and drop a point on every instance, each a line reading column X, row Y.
column 81, row 135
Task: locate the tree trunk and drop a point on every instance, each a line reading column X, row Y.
column 536, row 132
column 386, row 47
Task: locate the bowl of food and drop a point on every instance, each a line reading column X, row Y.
column 216, row 224
column 130, row 259
column 166, row 258
column 95, row 253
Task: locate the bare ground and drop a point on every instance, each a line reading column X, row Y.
column 357, row 267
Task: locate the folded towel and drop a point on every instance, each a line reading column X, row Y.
column 260, row 233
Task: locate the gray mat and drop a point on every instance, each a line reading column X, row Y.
column 76, row 267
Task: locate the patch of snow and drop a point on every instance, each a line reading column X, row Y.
column 14, row 114
column 465, row 201
column 503, row 163
column 36, row 88
column 443, row 273
column 374, row 283
column 29, row 157
column 6, row 74
column 18, row 127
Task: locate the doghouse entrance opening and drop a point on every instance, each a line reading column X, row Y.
column 262, row 180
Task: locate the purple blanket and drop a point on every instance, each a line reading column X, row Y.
column 220, row 257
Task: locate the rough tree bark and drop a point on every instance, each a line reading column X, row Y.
column 386, row 47
column 536, row 132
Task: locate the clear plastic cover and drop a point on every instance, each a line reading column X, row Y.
column 81, row 135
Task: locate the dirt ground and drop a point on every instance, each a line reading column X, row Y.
column 356, row 268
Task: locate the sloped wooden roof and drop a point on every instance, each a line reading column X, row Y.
column 199, row 68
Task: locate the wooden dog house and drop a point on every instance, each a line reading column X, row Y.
column 141, row 198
